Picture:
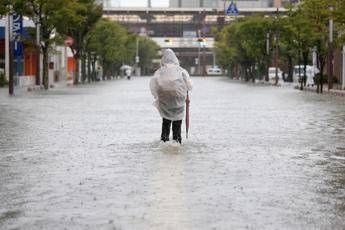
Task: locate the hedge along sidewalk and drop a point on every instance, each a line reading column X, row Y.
column 333, row 92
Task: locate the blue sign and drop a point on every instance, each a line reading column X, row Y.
column 232, row 9
column 18, row 46
column 17, row 31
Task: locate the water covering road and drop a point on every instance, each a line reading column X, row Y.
column 89, row 157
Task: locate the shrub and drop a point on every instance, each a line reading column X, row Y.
column 3, row 81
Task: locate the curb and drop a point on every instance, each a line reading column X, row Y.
column 332, row 92
column 37, row 88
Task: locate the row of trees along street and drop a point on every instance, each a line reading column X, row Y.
column 95, row 38
column 243, row 49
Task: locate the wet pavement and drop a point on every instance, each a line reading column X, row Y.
column 89, row 157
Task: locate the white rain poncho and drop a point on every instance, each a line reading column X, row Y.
column 169, row 87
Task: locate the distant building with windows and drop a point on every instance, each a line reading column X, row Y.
column 216, row 4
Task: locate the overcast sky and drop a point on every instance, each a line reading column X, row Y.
column 155, row 3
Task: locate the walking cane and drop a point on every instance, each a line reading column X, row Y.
column 187, row 115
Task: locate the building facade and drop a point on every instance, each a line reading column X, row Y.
column 216, row 4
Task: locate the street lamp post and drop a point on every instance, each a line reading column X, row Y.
column 268, row 56
column 199, row 65
column 7, row 48
column 276, row 56
column 38, row 53
column 137, row 59
column 10, row 54
column 343, row 82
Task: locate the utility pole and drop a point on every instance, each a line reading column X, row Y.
column 276, row 51
column 7, row 47
column 10, row 54
column 38, row 53
column 214, row 59
column 137, row 59
column 204, row 58
column 343, row 82
column 330, row 53
column 268, row 56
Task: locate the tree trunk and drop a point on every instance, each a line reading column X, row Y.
column 299, row 70
column 88, row 67
column 322, row 65
column 83, row 68
column 252, row 72
column 268, row 62
column 94, row 69
column 105, row 69
column 290, row 73
column 38, row 63
column 76, row 71
column 305, row 62
column 45, row 66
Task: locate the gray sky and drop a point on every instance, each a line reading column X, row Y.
column 155, row 3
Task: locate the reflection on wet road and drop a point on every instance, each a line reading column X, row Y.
column 90, row 157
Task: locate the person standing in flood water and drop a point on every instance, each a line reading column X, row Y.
column 169, row 87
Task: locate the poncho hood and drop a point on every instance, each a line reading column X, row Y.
column 169, row 57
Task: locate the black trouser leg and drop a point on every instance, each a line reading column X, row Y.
column 165, row 130
column 176, row 127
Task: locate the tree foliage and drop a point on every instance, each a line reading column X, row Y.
column 5, row 6
column 47, row 14
column 148, row 50
column 79, row 18
column 241, row 46
column 302, row 29
column 108, row 40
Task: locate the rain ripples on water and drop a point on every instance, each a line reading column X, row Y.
column 89, row 157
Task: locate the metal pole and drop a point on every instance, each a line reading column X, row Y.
column 343, row 82
column 38, row 54
column 11, row 70
column 330, row 54
column 314, row 50
column 214, row 59
column 199, row 65
column 7, row 47
column 137, row 58
column 268, row 55
column 137, row 50
column 66, row 63
column 277, row 48
column 204, row 59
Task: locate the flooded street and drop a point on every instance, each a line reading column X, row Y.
column 89, row 157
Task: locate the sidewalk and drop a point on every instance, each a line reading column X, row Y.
column 333, row 92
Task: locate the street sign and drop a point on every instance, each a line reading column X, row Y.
column 137, row 59
column 17, row 31
column 232, row 9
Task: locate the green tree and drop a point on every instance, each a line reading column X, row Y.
column 47, row 14
column 241, row 47
column 298, row 38
column 339, row 16
column 147, row 52
column 82, row 16
column 4, row 6
column 108, row 40
column 318, row 14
